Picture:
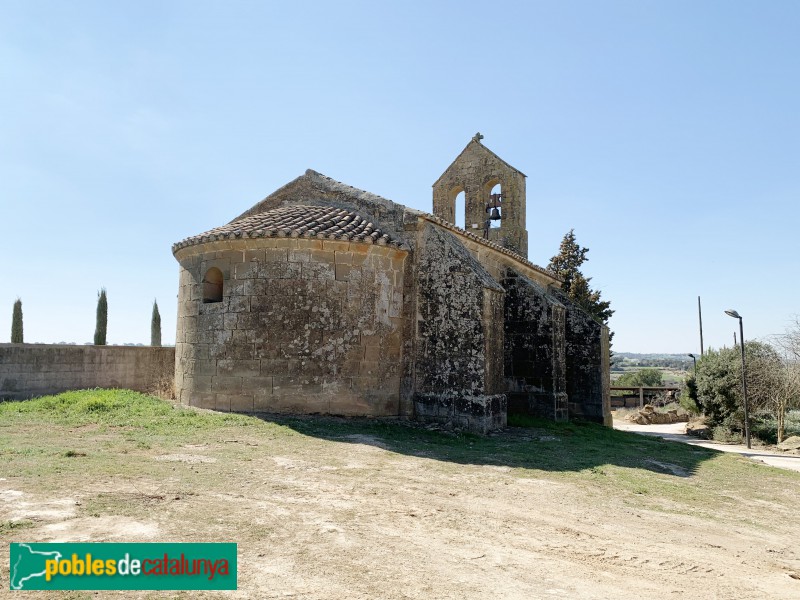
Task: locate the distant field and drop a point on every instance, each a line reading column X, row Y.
column 671, row 377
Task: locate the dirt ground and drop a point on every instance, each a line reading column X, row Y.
column 348, row 518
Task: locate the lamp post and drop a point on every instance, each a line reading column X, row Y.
column 736, row 315
column 694, row 360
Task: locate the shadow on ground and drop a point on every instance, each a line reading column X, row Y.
column 535, row 444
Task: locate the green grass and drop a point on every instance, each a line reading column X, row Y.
column 114, row 408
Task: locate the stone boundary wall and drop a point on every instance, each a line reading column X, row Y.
column 31, row 370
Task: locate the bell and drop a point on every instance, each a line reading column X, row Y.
column 495, row 216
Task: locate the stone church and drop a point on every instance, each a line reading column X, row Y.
column 323, row 298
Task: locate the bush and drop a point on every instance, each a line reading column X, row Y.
column 687, row 397
column 764, row 426
column 723, row 433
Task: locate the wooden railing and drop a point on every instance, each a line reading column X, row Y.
column 643, row 389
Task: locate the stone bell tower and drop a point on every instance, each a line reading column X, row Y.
column 476, row 172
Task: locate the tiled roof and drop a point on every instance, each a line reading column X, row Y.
column 316, row 222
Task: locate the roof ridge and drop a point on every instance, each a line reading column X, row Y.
column 337, row 185
column 486, row 148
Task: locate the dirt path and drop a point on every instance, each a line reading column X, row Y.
column 676, row 432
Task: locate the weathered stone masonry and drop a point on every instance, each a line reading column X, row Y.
column 535, row 348
column 31, row 370
column 303, row 326
column 475, row 172
column 458, row 377
column 327, row 299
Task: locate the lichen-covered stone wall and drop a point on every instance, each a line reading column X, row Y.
column 459, row 320
column 535, row 366
column 587, row 365
column 303, row 326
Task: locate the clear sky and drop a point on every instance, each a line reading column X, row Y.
column 666, row 133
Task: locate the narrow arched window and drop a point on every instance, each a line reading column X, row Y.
column 494, row 208
column 212, row 285
column 460, row 210
column 457, row 206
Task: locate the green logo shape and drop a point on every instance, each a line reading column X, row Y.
column 136, row 566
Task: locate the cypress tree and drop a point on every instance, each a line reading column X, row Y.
column 155, row 326
column 102, row 319
column 566, row 264
column 16, row 323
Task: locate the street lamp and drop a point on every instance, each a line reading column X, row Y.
column 732, row 313
column 694, row 360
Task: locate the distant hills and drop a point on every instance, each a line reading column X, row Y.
column 640, row 356
column 626, row 360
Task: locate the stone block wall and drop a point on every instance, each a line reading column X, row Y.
column 475, row 172
column 306, row 326
column 535, row 362
column 478, row 414
column 30, row 370
column 587, row 366
column 458, row 305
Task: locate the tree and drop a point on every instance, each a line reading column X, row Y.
column 786, row 394
column 688, row 395
column 155, row 326
column 780, row 386
column 567, row 265
column 102, row 319
column 719, row 388
column 642, row 378
column 16, row 323
column 770, row 386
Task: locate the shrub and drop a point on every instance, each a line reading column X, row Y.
column 764, row 426
column 687, row 397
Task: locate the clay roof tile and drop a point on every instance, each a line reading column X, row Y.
column 295, row 221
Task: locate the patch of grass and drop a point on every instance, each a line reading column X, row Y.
column 116, row 409
column 127, row 503
column 7, row 527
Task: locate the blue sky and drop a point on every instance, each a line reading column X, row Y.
column 667, row 134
